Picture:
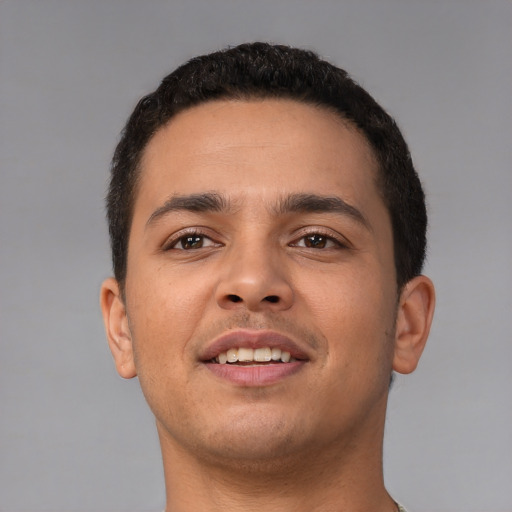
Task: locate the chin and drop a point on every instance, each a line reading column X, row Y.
column 248, row 440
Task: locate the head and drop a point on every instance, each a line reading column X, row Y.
column 261, row 200
column 259, row 71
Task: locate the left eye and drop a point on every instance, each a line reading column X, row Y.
column 190, row 242
column 316, row 241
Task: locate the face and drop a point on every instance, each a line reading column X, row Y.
column 258, row 233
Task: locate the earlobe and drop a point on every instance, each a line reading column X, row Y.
column 414, row 318
column 117, row 328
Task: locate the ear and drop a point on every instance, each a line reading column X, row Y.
column 117, row 328
column 414, row 318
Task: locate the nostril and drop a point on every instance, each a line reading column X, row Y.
column 234, row 298
column 272, row 298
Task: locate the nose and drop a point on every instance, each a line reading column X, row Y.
column 255, row 280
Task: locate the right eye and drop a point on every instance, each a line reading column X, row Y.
column 192, row 241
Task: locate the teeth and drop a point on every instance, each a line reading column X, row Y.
column 232, row 355
column 276, row 354
column 260, row 355
column 245, row 354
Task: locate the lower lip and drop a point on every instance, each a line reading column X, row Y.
column 257, row 375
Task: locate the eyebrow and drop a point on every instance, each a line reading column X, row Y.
column 293, row 203
column 198, row 203
column 313, row 203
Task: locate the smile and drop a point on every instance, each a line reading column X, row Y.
column 254, row 358
column 258, row 355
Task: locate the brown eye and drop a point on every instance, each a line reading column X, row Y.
column 191, row 242
column 315, row 241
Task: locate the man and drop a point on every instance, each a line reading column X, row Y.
column 268, row 235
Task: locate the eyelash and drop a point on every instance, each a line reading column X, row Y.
column 329, row 238
column 183, row 235
column 337, row 241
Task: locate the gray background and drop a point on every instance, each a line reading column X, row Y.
column 73, row 435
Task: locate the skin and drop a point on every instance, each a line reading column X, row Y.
column 325, row 279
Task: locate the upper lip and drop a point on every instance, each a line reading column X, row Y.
column 252, row 339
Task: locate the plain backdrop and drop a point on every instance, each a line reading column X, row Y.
column 73, row 435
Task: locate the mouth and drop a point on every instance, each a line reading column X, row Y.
column 254, row 358
column 245, row 356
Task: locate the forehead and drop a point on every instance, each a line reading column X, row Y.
column 243, row 145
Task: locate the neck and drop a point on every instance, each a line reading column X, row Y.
column 345, row 477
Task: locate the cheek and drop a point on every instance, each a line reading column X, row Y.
column 164, row 294
column 167, row 310
column 164, row 310
column 355, row 313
